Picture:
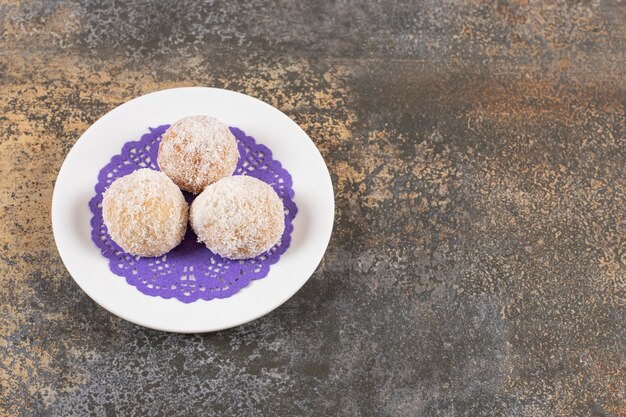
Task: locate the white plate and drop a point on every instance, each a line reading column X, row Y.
column 289, row 144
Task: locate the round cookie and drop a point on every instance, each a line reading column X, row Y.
column 238, row 217
column 145, row 213
column 197, row 151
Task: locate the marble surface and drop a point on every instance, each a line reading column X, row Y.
column 477, row 151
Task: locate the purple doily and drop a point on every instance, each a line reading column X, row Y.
column 190, row 271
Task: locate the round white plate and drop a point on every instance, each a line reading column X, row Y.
column 289, row 144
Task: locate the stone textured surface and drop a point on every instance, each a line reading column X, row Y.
column 478, row 155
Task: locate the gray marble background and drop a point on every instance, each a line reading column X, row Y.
column 477, row 154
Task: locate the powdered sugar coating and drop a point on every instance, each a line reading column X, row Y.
column 197, row 151
column 238, row 217
column 145, row 213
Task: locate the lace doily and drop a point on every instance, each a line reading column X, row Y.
column 190, row 271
